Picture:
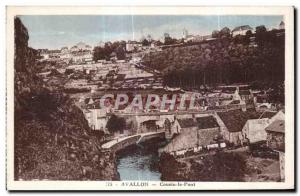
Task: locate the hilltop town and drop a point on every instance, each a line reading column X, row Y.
column 234, row 111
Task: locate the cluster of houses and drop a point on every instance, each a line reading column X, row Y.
column 78, row 53
column 194, row 38
column 199, row 131
column 82, row 53
column 120, row 75
column 104, row 77
column 235, row 128
column 239, row 30
column 137, row 46
column 221, row 101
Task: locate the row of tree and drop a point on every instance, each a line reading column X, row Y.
column 118, row 48
column 115, row 124
column 225, row 60
column 115, row 49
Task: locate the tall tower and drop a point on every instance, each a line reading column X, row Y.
column 281, row 25
column 149, row 38
column 142, row 35
column 185, row 33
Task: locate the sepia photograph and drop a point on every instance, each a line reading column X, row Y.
column 128, row 98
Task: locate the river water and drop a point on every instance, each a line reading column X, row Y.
column 139, row 162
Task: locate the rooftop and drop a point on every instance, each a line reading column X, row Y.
column 187, row 123
column 207, row 122
column 276, row 126
column 268, row 114
column 244, row 27
column 244, row 92
column 235, row 120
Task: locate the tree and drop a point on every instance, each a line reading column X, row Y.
column 238, row 39
column 260, row 29
column 159, row 43
column 215, row 34
column 222, row 61
column 115, row 124
column 225, row 32
column 105, row 52
column 98, row 53
column 145, row 42
column 169, row 40
column 261, row 34
column 120, row 52
column 249, row 33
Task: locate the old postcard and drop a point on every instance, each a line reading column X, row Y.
column 150, row 98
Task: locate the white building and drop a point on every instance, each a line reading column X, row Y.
column 45, row 55
column 81, row 46
column 241, row 30
column 96, row 118
column 64, row 50
column 254, row 130
column 79, row 56
column 133, row 45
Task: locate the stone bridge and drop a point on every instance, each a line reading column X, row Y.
column 160, row 117
column 121, row 143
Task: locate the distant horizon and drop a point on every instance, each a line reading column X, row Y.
column 57, row 31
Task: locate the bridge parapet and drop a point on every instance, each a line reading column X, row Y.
column 121, row 143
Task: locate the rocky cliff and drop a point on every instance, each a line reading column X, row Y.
column 52, row 137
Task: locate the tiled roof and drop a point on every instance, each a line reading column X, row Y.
column 244, row 92
column 235, row 102
column 268, row 114
column 200, row 122
column 235, row 120
column 187, row 122
column 207, row 122
column 190, row 139
column 276, row 126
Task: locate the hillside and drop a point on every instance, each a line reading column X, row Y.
column 52, row 137
column 220, row 167
column 222, row 61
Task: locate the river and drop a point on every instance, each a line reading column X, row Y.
column 139, row 162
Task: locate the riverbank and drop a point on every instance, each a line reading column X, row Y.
column 219, row 166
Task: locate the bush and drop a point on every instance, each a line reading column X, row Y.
column 115, row 124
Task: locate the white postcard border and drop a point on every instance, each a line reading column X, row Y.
column 287, row 12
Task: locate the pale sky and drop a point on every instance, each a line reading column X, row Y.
column 54, row 32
